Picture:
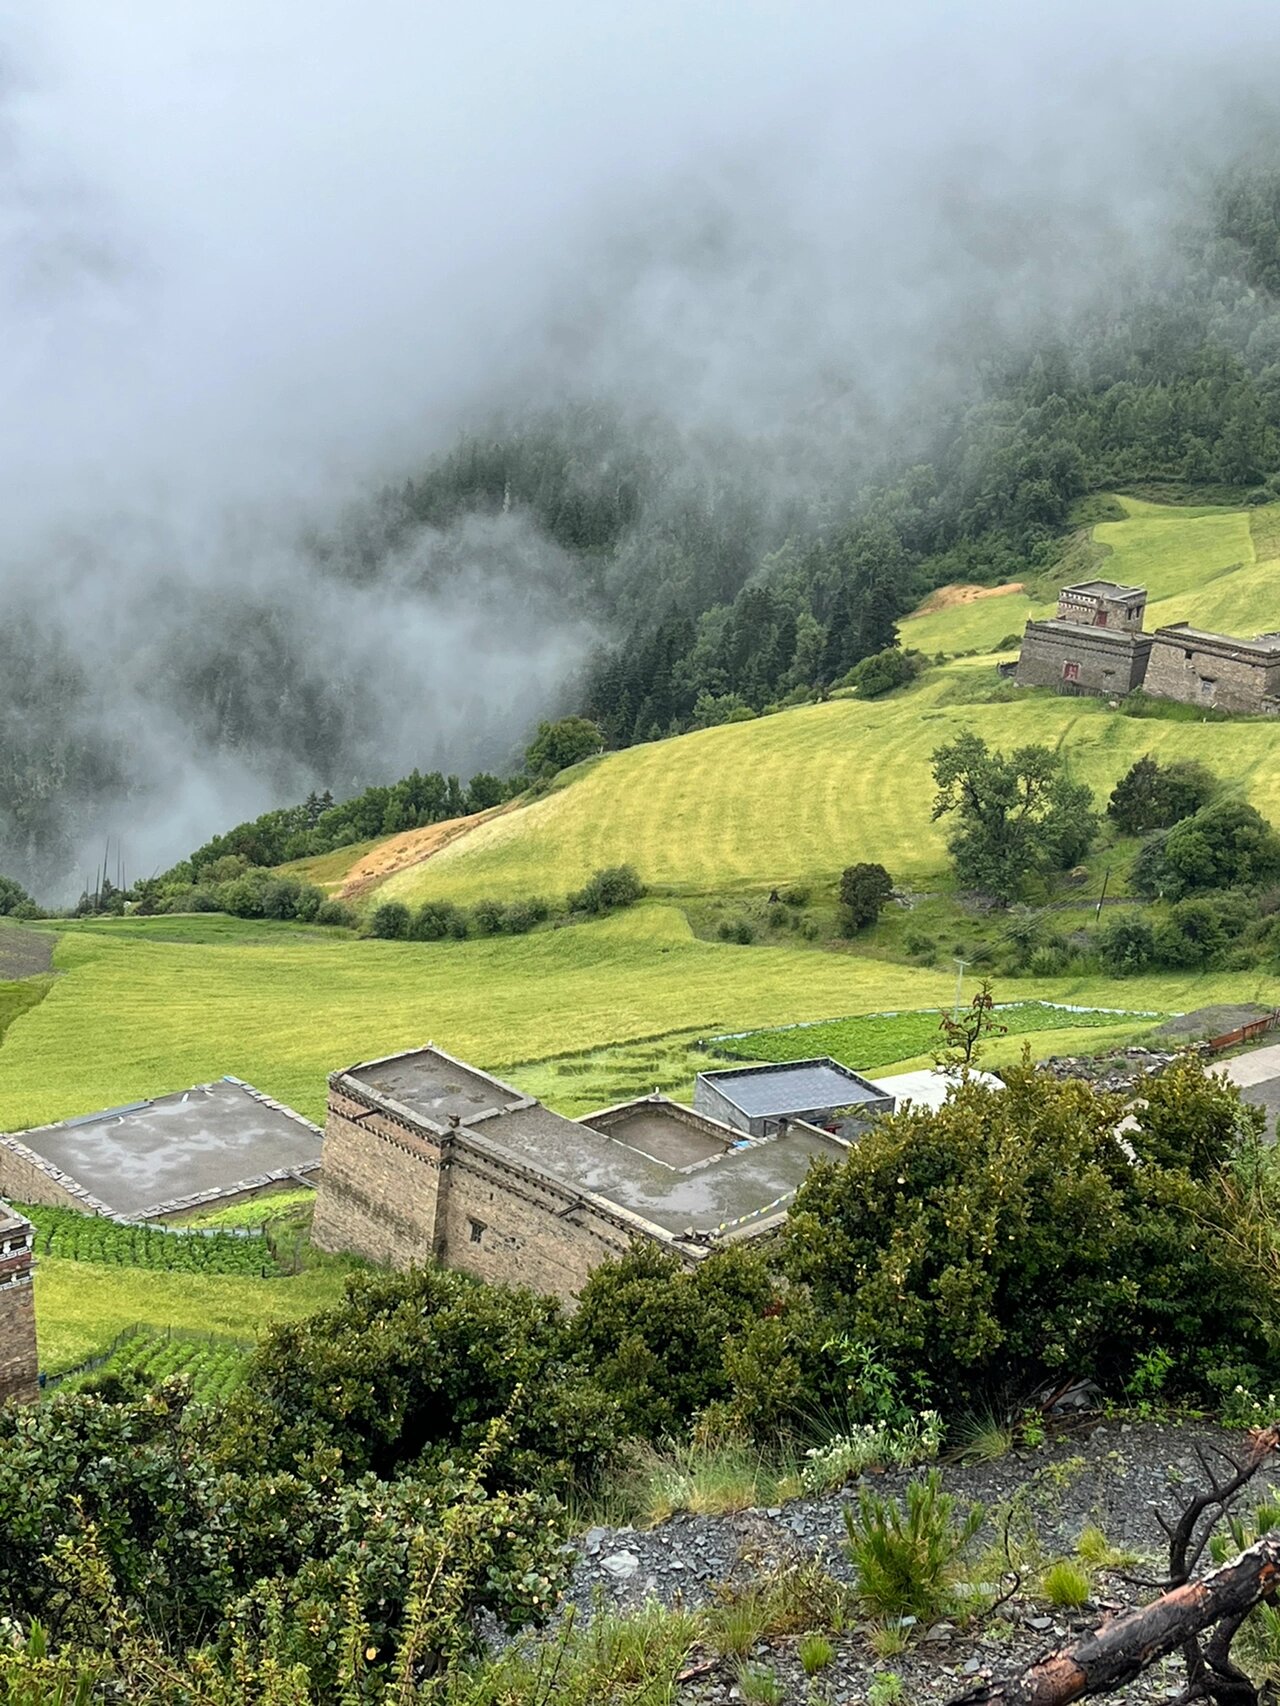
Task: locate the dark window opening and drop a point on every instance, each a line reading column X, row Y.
column 1188, row 653
column 477, row 1231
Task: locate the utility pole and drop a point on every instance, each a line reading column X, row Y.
column 1106, row 878
column 960, row 965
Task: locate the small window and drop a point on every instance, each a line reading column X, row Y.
column 1188, row 654
column 477, row 1231
column 1071, row 672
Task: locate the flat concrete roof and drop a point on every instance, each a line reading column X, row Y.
column 212, row 1138
column 1107, row 589
column 928, row 1089
column 11, row 1221
column 661, row 1130
column 433, row 1084
column 739, row 1184
column 791, row 1087
column 1177, row 633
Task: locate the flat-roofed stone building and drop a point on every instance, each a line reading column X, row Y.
column 426, row 1158
column 1197, row 668
column 212, row 1143
column 1094, row 644
column 18, row 1366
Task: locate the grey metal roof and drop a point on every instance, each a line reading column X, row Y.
column 799, row 1086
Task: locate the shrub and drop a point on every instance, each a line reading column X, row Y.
column 796, row 895
column 1126, row 946
column 614, row 886
column 279, row 897
column 1229, row 845
column 1151, row 795
column 884, row 671
column 905, row 1559
column 919, row 943
column 336, row 912
column 521, row 918
column 390, row 920
column 558, row 745
column 489, row 917
column 736, row 930
column 307, row 902
column 864, row 892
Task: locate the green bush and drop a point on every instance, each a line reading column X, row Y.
column 1126, row 946
column 614, row 886
column 1005, row 1238
column 905, row 1559
column 884, row 671
column 736, row 930
column 390, row 920
column 489, row 917
column 797, row 894
column 336, row 912
column 1151, row 795
column 437, row 919
column 1224, row 846
column 865, row 890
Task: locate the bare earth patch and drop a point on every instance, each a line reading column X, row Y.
column 411, row 847
column 24, row 953
column 947, row 597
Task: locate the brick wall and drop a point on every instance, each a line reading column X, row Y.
column 1102, row 662
column 1226, row 678
column 391, row 1193
column 18, row 1364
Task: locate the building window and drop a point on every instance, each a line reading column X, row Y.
column 477, row 1230
column 1188, row 654
column 1206, row 687
column 1071, row 672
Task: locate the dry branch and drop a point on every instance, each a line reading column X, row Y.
column 1121, row 1647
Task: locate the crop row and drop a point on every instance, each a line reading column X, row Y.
column 94, row 1238
column 214, row 1367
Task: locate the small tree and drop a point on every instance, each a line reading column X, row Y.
column 1014, row 813
column 864, row 892
column 558, row 745
column 964, row 1033
column 1153, row 796
column 884, row 671
column 390, row 920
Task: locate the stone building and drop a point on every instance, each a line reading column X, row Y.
column 213, row 1143
column 426, row 1158
column 18, row 1366
column 1095, row 644
column 1215, row 670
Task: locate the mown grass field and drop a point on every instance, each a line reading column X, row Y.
column 131, row 1017
column 1214, row 567
column 81, row 1306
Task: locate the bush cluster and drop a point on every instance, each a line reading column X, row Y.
column 438, row 920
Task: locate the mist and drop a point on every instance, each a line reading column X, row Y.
column 260, row 264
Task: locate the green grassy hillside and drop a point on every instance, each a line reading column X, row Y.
column 1218, row 568
column 797, row 796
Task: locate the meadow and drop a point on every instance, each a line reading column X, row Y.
column 82, row 1306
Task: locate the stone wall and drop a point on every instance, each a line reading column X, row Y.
column 1225, row 675
column 1076, row 659
column 379, row 1187
column 27, row 1177
column 510, row 1226
column 18, row 1363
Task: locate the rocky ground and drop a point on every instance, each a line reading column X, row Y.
column 1115, row 1475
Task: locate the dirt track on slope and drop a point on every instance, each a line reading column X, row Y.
column 947, row 597
column 411, row 847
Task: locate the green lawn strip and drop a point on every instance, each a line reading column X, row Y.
column 79, row 1237
column 82, row 1306
column 872, row 1041
column 254, row 1211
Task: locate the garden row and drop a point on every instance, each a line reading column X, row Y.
column 95, row 1238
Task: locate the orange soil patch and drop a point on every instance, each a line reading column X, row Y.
column 947, row 597
column 411, row 847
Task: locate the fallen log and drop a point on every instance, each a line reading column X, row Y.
column 1121, row 1647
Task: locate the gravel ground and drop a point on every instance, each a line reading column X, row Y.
column 1115, row 1475
column 24, row 953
